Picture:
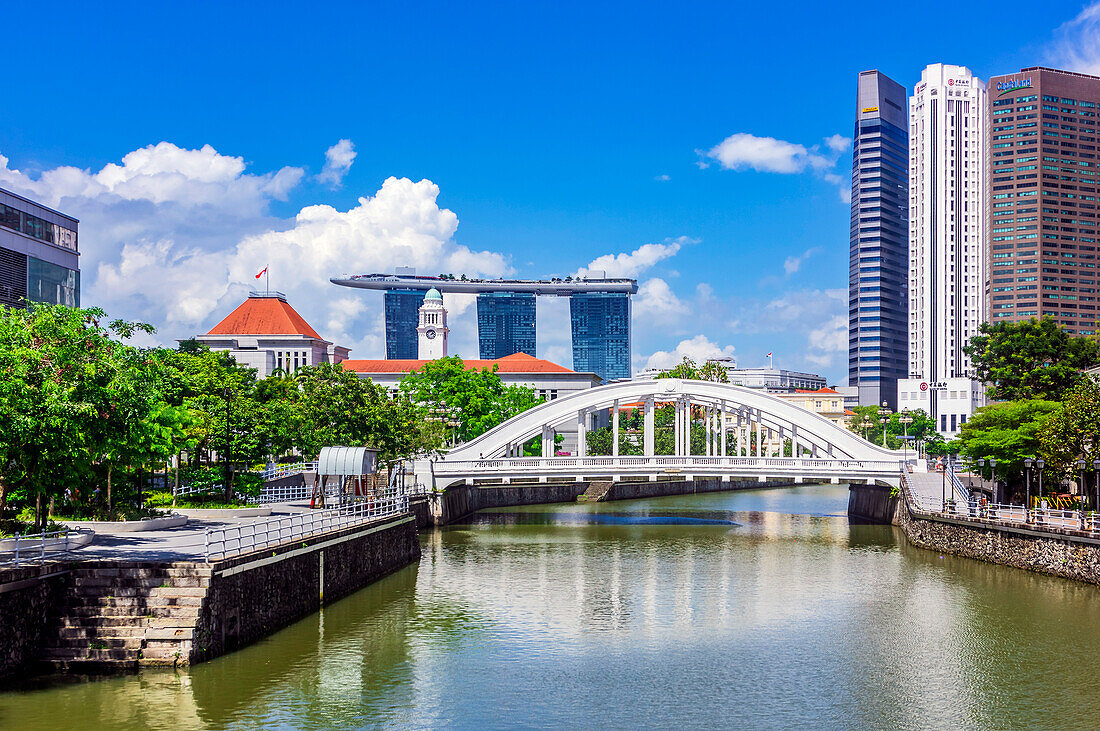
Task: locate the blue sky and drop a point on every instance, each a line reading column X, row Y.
column 535, row 140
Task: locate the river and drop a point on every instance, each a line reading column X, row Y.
column 754, row 609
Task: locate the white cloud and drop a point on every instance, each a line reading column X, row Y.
column 1076, row 44
column 699, row 349
column 793, row 263
column 744, row 151
column 632, row 264
column 174, row 237
column 663, row 178
column 338, row 160
column 657, row 303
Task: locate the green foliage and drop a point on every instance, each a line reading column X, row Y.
column 687, row 368
column 922, row 429
column 1029, row 360
column 476, row 399
column 1008, row 432
column 1073, row 431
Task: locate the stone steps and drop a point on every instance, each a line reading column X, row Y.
column 117, row 617
column 596, row 492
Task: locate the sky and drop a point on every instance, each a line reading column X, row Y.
column 704, row 149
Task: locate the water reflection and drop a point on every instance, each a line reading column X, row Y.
column 743, row 617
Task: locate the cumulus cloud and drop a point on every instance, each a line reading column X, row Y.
column 630, row 265
column 793, row 263
column 744, row 151
column 663, row 178
column 699, row 348
column 338, row 160
column 174, row 237
column 657, row 303
column 1076, row 43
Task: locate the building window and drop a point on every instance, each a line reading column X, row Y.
column 52, row 284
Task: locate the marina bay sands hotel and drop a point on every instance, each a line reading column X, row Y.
column 599, row 314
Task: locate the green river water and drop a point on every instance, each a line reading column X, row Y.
column 756, row 609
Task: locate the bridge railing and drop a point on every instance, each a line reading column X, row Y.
column 636, row 463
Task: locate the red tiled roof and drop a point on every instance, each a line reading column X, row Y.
column 517, row 363
column 264, row 316
column 820, row 390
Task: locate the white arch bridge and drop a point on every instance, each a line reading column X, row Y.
column 736, row 421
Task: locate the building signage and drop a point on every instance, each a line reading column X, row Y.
column 1006, row 87
column 934, row 386
column 958, row 82
column 870, row 109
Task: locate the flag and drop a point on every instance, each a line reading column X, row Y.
column 264, row 271
column 769, row 352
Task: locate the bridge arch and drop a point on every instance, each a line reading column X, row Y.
column 750, row 410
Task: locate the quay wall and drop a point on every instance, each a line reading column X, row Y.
column 253, row 595
column 459, row 501
column 872, row 503
column 28, row 597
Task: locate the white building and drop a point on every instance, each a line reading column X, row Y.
column 432, row 330
column 267, row 334
column 947, row 238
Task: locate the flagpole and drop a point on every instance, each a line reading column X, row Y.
column 267, row 280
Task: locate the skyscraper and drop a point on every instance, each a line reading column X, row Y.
column 947, row 239
column 402, row 311
column 878, row 262
column 601, row 333
column 1042, row 198
column 505, row 324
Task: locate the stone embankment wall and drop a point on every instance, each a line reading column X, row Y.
column 28, row 595
column 1061, row 552
column 253, row 595
column 459, row 501
column 1058, row 552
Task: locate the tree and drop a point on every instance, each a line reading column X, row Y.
column 687, row 368
column 1072, row 432
column 1008, row 432
column 921, row 429
column 477, row 399
column 1029, row 360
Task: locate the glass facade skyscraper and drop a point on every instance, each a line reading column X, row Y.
column 402, row 307
column 505, row 324
column 601, row 333
column 878, row 262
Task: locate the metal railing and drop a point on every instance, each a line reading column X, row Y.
column 1017, row 515
column 234, row 540
column 35, row 547
column 636, row 463
column 274, row 472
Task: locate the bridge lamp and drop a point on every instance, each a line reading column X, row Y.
column 884, row 417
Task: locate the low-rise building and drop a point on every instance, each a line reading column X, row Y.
column 267, row 334
column 956, row 400
column 547, row 379
column 825, row 401
column 39, row 258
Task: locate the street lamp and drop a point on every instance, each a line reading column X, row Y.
column 993, row 490
column 1040, row 463
column 228, row 394
column 866, row 424
column 1027, row 481
column 884, row 417
column 1081, row 491
column 1096, row 482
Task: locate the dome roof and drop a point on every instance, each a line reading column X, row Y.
column 433, row 294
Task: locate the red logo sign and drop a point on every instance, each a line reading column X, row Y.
column 923, row 386
column 950, row 82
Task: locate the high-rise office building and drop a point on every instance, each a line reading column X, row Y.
column 601, row 333
column 878, row 262
column 39, row 258
column 505, row 324
column 1042, row 198
column 402, row 312
column 947, row 242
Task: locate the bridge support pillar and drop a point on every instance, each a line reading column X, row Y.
column 722, row 426
column 615, row 429
column 653, row 478
column 689, row 478
column 834, row 480
column 798, row 480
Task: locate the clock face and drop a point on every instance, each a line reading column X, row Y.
column 430, row 335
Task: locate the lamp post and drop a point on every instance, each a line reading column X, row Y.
column 884, row 417
column 1081, row 492
column 1027, row 494
column 1040, row 463
column 993, row 490
column 906, row 420
column 1096, row 483
column 228, row 394
column 866, row 424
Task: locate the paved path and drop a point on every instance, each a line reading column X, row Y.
column 185, row 543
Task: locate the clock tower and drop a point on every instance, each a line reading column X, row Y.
column 432, row 330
